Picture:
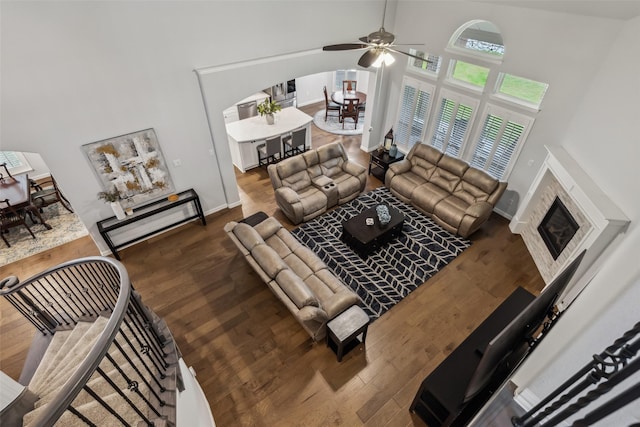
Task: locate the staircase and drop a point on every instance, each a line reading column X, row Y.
column 100, row 356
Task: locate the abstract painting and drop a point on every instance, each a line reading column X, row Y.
column 133, row 165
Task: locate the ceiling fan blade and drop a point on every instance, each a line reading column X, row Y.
column 369, row 57
column 409, row 54
column 344, row 46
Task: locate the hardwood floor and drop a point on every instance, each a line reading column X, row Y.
column 256, row 365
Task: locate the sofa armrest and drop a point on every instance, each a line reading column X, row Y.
column 340, row 301
column 474, row 216
column 396, row 168
column 356, row 170
column 289, row 201
column 313, row 320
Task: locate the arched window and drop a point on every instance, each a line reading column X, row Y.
column 472, row 110
column 478, row 38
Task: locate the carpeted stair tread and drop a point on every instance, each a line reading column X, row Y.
column 49, row 363
column 57, row 342
column 95, row 412
column 73, row 357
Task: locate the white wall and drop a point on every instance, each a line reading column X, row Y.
column 603, row 138
column 78, row 72
column 555, row 48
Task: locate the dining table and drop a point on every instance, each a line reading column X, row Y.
column 17, row 190
column 339, row 96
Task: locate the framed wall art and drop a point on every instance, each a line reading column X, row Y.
column 133, row 165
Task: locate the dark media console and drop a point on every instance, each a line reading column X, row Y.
column 440, row 400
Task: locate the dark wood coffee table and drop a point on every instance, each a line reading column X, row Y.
column 365, row 239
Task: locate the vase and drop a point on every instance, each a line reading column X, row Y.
column 393, row 151
column 271, row 119
column 117, row 210
column 383, row 214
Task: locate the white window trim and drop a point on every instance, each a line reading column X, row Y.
column 423, row 86
column 507, row 115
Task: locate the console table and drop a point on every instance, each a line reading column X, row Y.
column 145, row 211
column 440, row 398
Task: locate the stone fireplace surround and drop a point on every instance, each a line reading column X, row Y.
column 599, row 219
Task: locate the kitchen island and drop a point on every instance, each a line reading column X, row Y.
column 245, row 135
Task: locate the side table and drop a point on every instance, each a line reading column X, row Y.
column 379, row 163
column 344, row 329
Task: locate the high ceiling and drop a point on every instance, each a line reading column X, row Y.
column 614, row 9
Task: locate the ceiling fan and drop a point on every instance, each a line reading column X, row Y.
column 379, row 45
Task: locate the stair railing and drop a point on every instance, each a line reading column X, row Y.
column 60, row 297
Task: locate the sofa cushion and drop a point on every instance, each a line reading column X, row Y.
column 424, row 160
column 268, row 259
column 406, row 183
column 312, row 200
column 348, row 185
column 247, row 235
column 480, row 180
column 296, row 289
column 268, row 227
column 427, row 196
column 451, row 210
column 448, row 173
column 293, row 173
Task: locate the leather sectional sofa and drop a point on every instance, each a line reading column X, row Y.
column 458, row 197
column 294, row 273
column 308, row 184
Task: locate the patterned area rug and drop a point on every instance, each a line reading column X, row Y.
column 334, row 126
column 65, row 227
column 389, row 275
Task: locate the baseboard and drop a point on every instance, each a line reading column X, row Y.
column 526, row 399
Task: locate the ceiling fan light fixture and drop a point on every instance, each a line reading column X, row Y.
column 385, row 58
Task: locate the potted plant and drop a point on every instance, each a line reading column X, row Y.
column 268, row 108
column 113, row 198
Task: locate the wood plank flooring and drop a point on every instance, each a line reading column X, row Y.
column 255, row 363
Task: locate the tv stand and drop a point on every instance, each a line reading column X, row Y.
column 440, row 398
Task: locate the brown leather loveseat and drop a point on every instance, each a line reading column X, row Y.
column 455, row 195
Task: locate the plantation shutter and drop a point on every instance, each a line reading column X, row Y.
column 453, row 123
column 413, row 112
column 501, row 137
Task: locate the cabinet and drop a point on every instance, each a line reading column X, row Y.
column 440, row 398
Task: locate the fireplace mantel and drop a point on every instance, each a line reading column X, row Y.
column 600, row 220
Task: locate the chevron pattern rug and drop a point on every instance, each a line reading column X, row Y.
column 390, row 274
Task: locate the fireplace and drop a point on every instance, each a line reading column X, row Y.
column 563, row 213
column 557, row 228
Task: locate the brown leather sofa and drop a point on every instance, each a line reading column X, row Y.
column 308, row 184
column 293, row 273
column 455, row 195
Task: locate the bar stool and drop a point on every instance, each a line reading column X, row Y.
column 295, row 144
column 268, row 151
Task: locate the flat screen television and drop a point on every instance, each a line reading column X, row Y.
column 519, row 331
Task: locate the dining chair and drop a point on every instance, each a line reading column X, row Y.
column 7, row 174
column 268, row 151
column 248, row 109
column 295, row 144
column 329, row 105
column 11, row 217
column 47, row 193
column 349, row 85
column 350, row 109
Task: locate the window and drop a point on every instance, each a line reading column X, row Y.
column 430, row 66
column 344, row 75
column 454, row 120
column 16, row 162
column 413, row 113
column 469, row 74
column 521, row 90
column 500, row 141
column 478, row 38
